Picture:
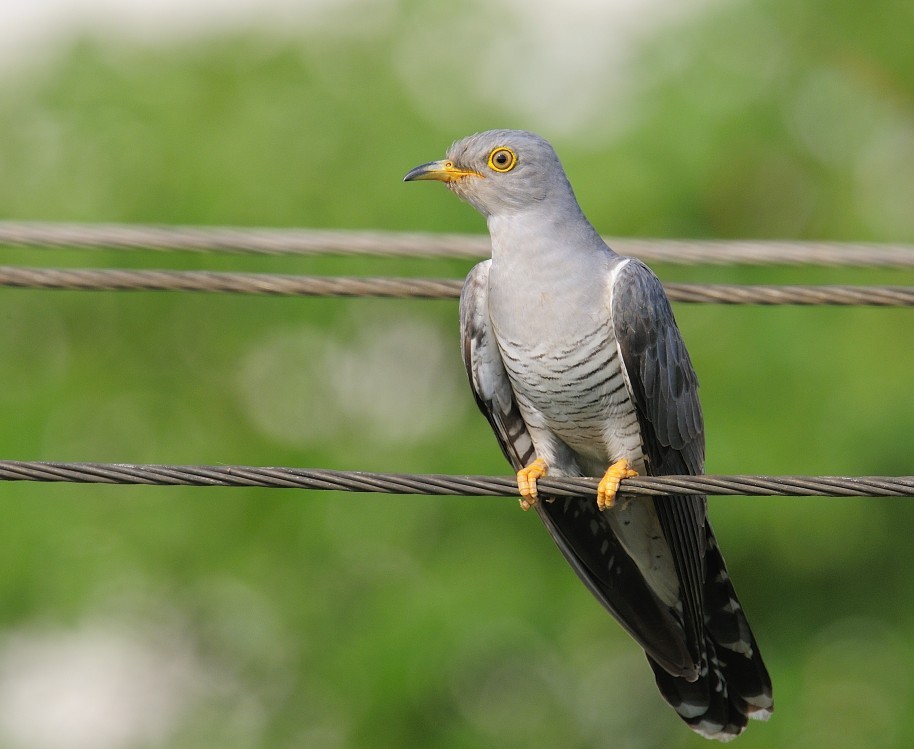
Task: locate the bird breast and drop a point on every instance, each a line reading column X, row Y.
column 565, row 366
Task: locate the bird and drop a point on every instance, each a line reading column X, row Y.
column 574, row 356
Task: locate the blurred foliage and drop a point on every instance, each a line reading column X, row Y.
column 358, row 621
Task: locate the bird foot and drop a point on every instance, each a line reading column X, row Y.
column 526, row 483
column 609, row 484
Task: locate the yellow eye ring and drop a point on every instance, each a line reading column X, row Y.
column 502, row 159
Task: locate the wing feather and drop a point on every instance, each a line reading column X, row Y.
column 486, row 372
column 664, row 390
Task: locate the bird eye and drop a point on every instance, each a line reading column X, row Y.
column 502, row 159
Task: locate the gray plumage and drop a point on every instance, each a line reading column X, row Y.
column 574, row 357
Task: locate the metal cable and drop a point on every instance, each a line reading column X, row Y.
column 441, row 484
column 874, row 296
column 416, row 288
column 83, row 279
column 310, row 241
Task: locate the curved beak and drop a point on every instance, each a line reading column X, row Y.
column 442, row 171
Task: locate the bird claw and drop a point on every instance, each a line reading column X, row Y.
column 609, row 484
column 526, row 483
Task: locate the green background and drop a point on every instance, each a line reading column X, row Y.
column 296, row 619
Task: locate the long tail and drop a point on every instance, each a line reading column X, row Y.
column 733, row 684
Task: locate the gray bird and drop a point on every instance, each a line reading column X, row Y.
column 575, row 359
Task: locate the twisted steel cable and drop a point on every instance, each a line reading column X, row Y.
column 416, row 288
column 311, row 241
column 441, row 484
column 83, row 279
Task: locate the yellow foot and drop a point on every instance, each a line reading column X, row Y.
column 526, row 482
column 609, row 484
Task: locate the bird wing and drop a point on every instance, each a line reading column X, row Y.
column 579, row 529
column 664, row 389
column 486, row 371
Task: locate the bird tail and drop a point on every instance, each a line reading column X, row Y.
column 733, row 684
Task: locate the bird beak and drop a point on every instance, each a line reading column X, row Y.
column 442, row 171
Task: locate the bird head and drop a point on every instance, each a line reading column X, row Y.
column 499, row 172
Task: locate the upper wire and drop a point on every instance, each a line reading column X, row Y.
column 415, row 244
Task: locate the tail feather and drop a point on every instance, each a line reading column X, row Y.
column 733, row 684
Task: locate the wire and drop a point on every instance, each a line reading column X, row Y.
column 440, row 484
column 237, row 240
column 874, row 296
column 416, row 288
column 221, row 282
column 311, row 241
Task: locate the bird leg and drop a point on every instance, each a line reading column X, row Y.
column 526, row 482
column 609, row 484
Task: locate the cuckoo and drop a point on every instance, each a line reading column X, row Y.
column 575, row 358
